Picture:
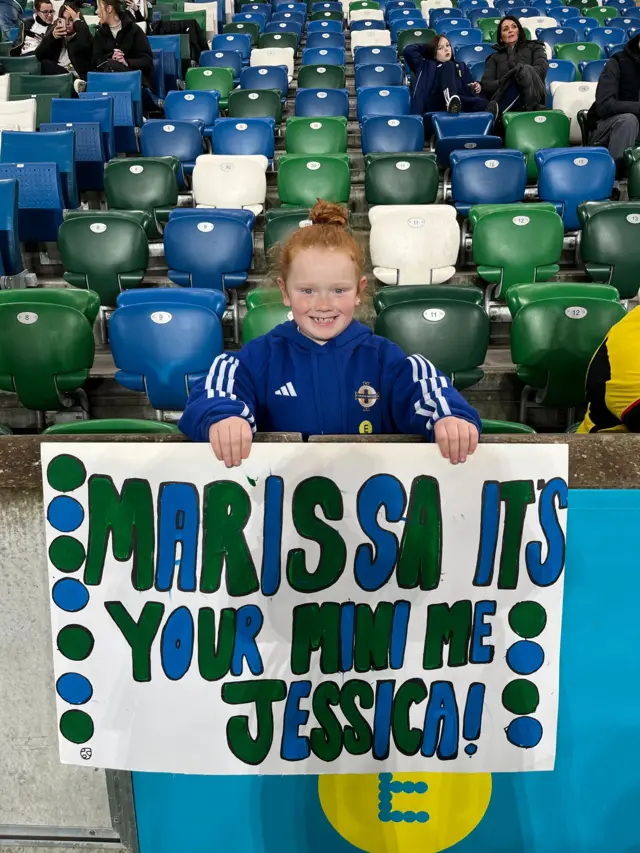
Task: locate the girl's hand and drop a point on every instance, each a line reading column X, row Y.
column 456, row 438
column 118, row 56
column 231, row 441
column 475, row 88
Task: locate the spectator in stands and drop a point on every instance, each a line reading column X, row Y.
column 514, row 75
column 119, row 43
column 323, row 372
column 67, row 47
column 613, row 380
column 10, row 11
column 613, row 119
column 35, row 30
column 439, row 82
column 138, row 8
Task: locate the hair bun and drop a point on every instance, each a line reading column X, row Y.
column 328, row 213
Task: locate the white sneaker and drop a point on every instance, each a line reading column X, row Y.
column 79, row 86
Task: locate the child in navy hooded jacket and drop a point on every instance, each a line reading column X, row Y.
column 323, row 372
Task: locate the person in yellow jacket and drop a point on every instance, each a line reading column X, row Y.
column 613, row 380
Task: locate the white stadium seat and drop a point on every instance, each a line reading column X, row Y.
column 91, row 20
column 18, row 115
column 427, row 5
column 273, row 56
column 370, row 38
column 571, row 98
column 211, row 11
column 533, row 24
column 4, row 87
column 414, row 243
column 237, row 181
column 366, row 15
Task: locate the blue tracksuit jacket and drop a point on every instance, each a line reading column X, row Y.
column 355, row 383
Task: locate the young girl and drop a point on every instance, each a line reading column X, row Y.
column 323, row 372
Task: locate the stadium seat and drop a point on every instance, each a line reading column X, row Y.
column 325, row 40
column 410, row 23
column 287, row 17
column 113, row 426
column 249, row 136
column 591, row 71
column 285, row 27
column 559, row 35
column 103, row 251
column 169, row 45
column 390, row 74
column 316, row 136
column 559, row 71
column 489, row 29
column 405, row 179
column 18, row 115
column 321, row 77
column 581, row 26
column 230, row 181
column 610, row 244
column 278, row 40
column 268, row 56
column 223, row 59
column 601, row 13
column 625, row 23
column 463, row 36
column 40, row 199
column 21, row 65
column 250, row 18
column 46, row 345
column 269, row 77
column 473, row 53
column 245, row 29
column 59, row 148
column 516, row 243
column 323, row 56
column 478, row 13
column 529, row 132
column 520, row 295
column 374, row 38
column 25, row 85
column 374, row 56
column 614, row 48
column 487, row 177
column 328, row 5
column 603, row 37
column 412, row 36
column 326, row 16
column 43, row 107
column 303, row 179
column 297, row 7
column 142, row 183
column 262, row 296
column 90, row 155
column 468, row 131
column 386, row 296
column 452, row 334
column 579, row 52
column 414, row 244
column 359, row 15
column 382, row 135
column 209, row 249
column 385, row 101
column 234, row 41
column 10, row 251
column 446, row 25
column 181, row 139
column 280, row 223
column 198, row 106
column 363, row 26
column 88, row 110
column 214, row 300
column 141, row 335
column 537, row 25
column 568, row 176
column 439, row 14
column 325, row 28
column 632, row 160
column 264, row 318
column 215, row 79
column 322, row 102
column 124, row 81
column 264, row 8
column 247, row 103
column 553, row 342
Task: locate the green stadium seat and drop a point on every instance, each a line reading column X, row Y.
column 303, row 179
column 280, row 223
column 522, row 294
column 43, row 105
column 326, row 16
column 85, row 301
column 452, row 334
column 21, row 65
column 113, row 426
column 196, row 15
column 278, row 40
column 497, row 427
column 142, row 183
column 258, row 103
column 263, row 318
column 632, row 159
column 577, row 52
column 262, row 296
column 46, row 347
column 392, row 295
column 552, row 343
column 401, row 178
column 413, row 36
column 103, row 251
column 25, row 85
column 610, row 244
column 528, row 132
column 210, row 80
column 248, row 29
column 601, row 13
column 321, row 77
column 325, row 135
column 516, row 243
column 489, row 27
column 356, row 5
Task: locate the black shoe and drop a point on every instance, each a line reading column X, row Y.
column 494, row 109
column 454, row 106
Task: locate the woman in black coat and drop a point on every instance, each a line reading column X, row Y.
column 514, row 75
column 119, row 44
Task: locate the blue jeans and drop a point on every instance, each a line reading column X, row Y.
column 10, row 11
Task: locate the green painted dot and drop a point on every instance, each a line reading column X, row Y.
column 75, row 642
column 66, row 553
column 66, row 473
column 76, row 726
column 521, row 696
column 528, row 619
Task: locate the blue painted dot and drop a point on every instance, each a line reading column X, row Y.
column 525, row 657
column 70, row 595
column 421, row 787
column 409, row 817
column 408, row 787
column 396, row 787
column 74, row 688
column 385, row 817
column 65, row 514
column 422, row 817
column 525, row 732
column 385, row 777
column 384, row 798
column 397, row 816
column 471, row 749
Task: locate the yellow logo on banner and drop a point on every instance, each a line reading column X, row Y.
column 405, row 812
column 366, row 427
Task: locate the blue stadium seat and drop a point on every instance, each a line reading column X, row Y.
column 250, row 18
column 214, row 300
column 297, row 17
column 267, row 77
column 447, row 25
column 569, row 176
column 322, row 102
column 604, row 36
column 40, row 199
column 142, row 334
column 10, row 251
column 559, row 12
column 383, row 101
column 438, row 14
column 264, row 8
column 158, row 90
column 384, row 135
column 209, row 248
column 358, row 26
column 591, row 71
column 325, row 38
column 397, row 4
column 558, row 35
column 284, row 27
column 581, row 26
column 465, row 35
column 390, row 74
column 124, row 132
column 476, row 69
column 624, row 23
column 90, row 153
column 382, row 55
column 326, row 55
column 181, row 139
column 195, row 105
column 412, row 23
column 470, row 53
column 402, row 14
column 475, row 15
column 467, row 6
column 326, row 6
column 222, row 59
column 125, row 81
column 291, row 7
column 233, row 41
column 559, row 71
column 171, row 64
column 170, row 44
column 487, row 177
column 59, row 148
column 471, row 132
column 614, row 48
column 90, row 110
column 244, row 136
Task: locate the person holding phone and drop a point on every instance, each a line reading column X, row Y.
column 68, row 46
column 36, row 29
column 120, row 44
